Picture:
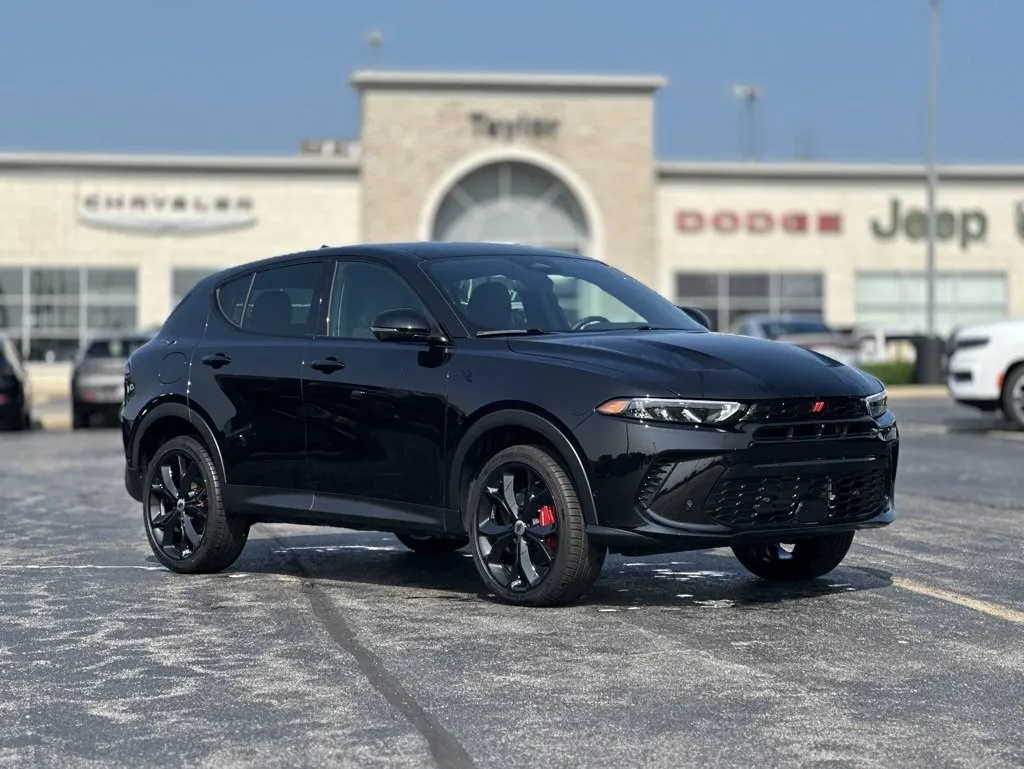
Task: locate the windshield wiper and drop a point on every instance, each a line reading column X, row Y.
column 514, row 332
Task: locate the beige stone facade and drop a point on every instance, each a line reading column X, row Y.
column 421, row 136
column 91, row 242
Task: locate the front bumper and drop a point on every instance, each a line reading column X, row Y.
column 974, row 376
column 668, row 488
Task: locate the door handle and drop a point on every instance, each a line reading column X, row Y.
column 328, row 366
column 216, row 361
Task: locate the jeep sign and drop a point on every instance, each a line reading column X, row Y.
column 965, row 227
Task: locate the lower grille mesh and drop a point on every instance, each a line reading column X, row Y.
column 753, row 503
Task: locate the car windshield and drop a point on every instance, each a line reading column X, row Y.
column 774, row 329
column 550, row 294
column 114, row 348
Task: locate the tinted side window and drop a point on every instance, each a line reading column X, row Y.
column 231, row 298
column 362, row 291
column 282, row 301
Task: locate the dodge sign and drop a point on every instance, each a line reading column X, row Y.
column 758, row 222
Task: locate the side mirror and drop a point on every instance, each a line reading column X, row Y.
column 697, row 315
column 404, row 325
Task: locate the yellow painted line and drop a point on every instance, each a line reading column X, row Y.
column 1006, row 435
column 922, row 429
column 985, row 607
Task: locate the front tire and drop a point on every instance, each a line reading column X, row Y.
column 527, row 530
column 1012, row 400
column 808, row 559
column 183, row 510
column 427, row 545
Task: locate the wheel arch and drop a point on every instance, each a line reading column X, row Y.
column 508, row 424
column 168, row 419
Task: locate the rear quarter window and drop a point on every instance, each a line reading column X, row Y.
column 231, row 298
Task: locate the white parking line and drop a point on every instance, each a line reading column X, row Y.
column 60, row 567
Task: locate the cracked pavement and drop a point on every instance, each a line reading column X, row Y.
column 324, row 647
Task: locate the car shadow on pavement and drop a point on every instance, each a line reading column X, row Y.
column 698, row 579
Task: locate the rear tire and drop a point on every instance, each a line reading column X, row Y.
column 527, row 531
column 79, row 417
column 809, row 558
column 427, row 545
column 186, row 535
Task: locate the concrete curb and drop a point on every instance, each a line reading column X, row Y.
column 54, row 421
column 918, row 391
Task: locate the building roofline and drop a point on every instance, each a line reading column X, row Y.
column 505, row 81
column 814, row 171
column 59, row 161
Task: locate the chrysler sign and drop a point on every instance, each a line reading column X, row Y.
column 166, row 213
column 757, row 222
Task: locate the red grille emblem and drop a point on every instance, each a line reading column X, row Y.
column 818, row 407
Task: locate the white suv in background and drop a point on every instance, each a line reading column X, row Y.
column 986, row 368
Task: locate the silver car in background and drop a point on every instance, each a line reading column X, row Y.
column 808, row 331
column 97, row 379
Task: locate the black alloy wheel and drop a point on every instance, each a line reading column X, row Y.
column 803, row 560
column 427, row 544
column 527, row 530
column 186, row 525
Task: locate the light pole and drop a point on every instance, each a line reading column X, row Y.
column 374, row 40
column 750, row 95
column 933, row 181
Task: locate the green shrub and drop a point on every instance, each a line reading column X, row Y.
column 899, row 373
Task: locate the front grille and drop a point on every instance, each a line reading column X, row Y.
column 796, row 409
column 762, row 503
column 815, row 431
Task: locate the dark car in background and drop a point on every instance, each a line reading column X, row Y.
column 541, row 407
column 15, row 388
column 97, row 378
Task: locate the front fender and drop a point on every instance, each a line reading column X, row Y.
column 567, row 454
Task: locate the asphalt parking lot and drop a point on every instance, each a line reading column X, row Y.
column 331, row 648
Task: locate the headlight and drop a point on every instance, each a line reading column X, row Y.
column 678, row 410
column 877, row 404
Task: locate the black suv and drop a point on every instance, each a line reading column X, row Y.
column 15, row 388
column 542, row 407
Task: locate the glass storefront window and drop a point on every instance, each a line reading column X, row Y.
column 896, row 301
column 183, row 280
column 727, row 297
column 51, row 311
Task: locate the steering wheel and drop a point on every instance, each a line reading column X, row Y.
column 589, row 321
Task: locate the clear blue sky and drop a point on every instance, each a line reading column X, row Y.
column 843, row 78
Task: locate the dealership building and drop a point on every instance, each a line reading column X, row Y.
column 93, row 243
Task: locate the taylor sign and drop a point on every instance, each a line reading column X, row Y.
column 166, row 213
column 521, row 127
column 964, row 227
column 758, row 222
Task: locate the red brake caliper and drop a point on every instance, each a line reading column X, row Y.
column 547, row 518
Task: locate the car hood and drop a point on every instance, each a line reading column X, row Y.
column 707, row 365
column 1011, row 328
